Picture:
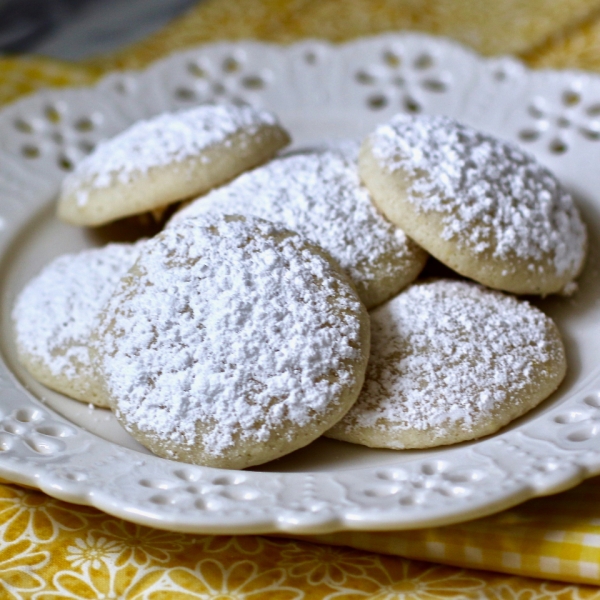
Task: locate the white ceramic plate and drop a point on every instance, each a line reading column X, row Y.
column 320, row 92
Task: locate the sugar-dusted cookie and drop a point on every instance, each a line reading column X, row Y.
column 349, row 148
column 166, row 159
column 319, row 195
column 56, row 312
column 231, row 342
column 451, row 361
column 480, row 205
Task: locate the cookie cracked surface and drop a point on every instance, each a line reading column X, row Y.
column 168, row 158
column 55, row 314
column 480, row 205
column 319, row 195
column 452, row 361
column 231, row 342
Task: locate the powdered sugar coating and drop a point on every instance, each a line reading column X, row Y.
column 451, row 361
column 160, row 141
column 236, row 327
column 57, row 311
column 349, row 148
column 319, row 195
column 494, row 197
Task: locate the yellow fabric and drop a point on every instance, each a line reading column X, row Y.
column 545, row 33
column 50, row 549
column 20, row 76
column 500, row 27
column 557, row 537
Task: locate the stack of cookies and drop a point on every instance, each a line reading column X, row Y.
column 283, row 303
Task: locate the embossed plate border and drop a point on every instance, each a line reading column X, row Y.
column 318, row 90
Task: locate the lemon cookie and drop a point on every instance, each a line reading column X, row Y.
column 319, row 195
column 231, row 342
column 480, row 205
column 452, row 361
column 56, row 312
column 166, row 159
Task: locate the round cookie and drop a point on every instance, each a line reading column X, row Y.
column 56, row 313
column 231, row 342
column 319, row 195
column 451, row 361
column 481, row 206
column 166, row 159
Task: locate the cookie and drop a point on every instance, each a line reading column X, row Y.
column 319, row 195
column 231, row 342
column 452, row 361
column 481, row 206
column 166, row 159
column 56, row 313
column 349, row 148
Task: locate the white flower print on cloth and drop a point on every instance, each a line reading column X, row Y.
column 242, row 580
column 35, row 516
column 17, row 563
column 93, row 551
column 141, row 545
column 326, row 564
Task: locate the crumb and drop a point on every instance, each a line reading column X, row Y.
column 569, row 289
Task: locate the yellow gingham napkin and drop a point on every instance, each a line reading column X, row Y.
column 50, row 549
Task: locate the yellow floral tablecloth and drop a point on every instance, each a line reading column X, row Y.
column 50, row 549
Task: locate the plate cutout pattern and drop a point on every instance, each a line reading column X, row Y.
column 402, row 81
column 404, row 76
column 557, row 121
column 229, row 78
column 36, row 429
column 57, row 133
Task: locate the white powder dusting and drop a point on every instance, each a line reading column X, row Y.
column 349, row 148
column 162, row 140
column 447, row 352
column 56, row 312
column 229, row 321
column 494, row 197
column 320, row 196
column 570, row 289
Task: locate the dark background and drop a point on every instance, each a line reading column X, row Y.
column 77, row 29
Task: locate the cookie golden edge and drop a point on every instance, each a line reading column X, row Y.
column 386, row 286
column 242, row 456
column 390, row 193
column 533, row 394
column 391, row 272
column 164, row 185
column 82, row 388
column 42, row 302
